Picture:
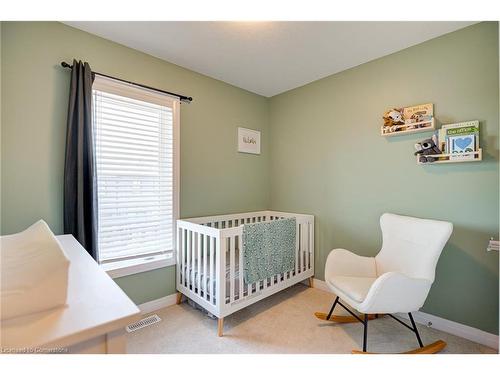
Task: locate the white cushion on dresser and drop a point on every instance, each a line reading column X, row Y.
column 34, row 272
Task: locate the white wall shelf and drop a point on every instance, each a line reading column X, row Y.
column 493, row 245
column 446, row 158
column 416, row 127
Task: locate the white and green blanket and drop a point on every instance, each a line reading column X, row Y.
column 268, row 249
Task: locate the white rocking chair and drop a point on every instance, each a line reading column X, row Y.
column 397, row 280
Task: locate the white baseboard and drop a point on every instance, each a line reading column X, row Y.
column 158, row 304
column 441, row 324
column 457, row 329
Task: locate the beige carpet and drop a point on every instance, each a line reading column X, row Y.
column 283, row 323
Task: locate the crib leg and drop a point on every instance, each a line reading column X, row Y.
column 311, row 282
column 220, row 327
column 179, row 298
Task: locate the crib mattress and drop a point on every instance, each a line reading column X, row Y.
column 206, row 287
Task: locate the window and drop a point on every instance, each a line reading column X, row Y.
column 135, row 138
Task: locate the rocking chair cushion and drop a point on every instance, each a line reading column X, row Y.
column 354, row 287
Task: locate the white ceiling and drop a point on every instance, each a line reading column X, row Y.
column 268, row 58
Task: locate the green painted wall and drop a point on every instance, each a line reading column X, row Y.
column 328, row 159
column 214, row 177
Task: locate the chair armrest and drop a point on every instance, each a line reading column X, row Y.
column 341, row 262
column 394, row 292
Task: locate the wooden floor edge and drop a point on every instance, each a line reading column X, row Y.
column 433, row 348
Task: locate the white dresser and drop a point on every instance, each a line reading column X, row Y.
column 93, row 321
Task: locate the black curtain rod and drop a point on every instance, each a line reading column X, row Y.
column 182, row 98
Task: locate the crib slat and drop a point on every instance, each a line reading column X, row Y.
column 184, row 257
column 193, row 260
column 240, row 267
column 180, row 255
column 205, row 254
column 301, row 253
column 311, row 245
column 177, row 256
column 186, row 254
column 198, row 262
column 232, row 242
column 220, row 266
column 301, row 250
column 212, row 273
column 188, row 259
column 301, row 247
column 308, row 246
column 218, row 273
column 297, row 247
column 306, row 240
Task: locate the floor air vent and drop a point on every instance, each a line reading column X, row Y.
column 152, row 319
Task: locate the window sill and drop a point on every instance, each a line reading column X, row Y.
column 132, row 266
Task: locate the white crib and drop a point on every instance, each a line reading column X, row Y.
column 210, row 261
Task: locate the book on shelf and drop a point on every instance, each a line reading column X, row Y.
column 460, row 139
column 418, row 113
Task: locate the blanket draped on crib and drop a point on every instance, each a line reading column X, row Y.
column 268, row 249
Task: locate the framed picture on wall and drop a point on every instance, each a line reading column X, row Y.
column 249, row 141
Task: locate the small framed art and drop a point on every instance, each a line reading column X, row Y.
column 249, row 141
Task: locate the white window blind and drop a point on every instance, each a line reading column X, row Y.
column 134, row 155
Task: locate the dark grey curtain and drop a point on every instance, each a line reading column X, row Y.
column 80, row 191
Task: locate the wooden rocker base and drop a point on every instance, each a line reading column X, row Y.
column 433, row 348
column 364, row 318
column 342, row 318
